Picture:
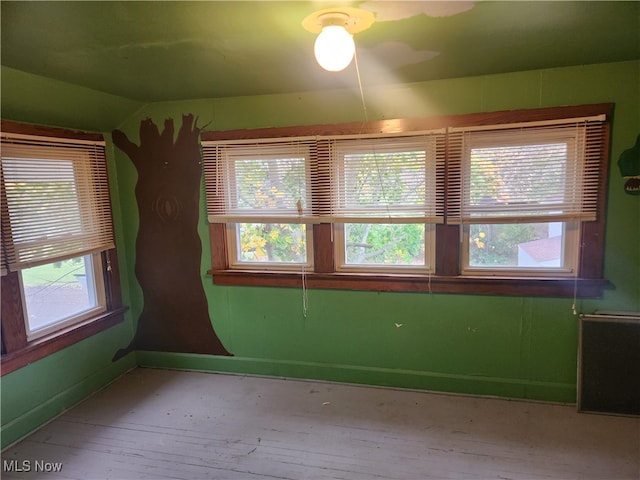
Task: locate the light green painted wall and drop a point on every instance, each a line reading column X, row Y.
column 35, row 394
column 34, row 99
column 512, row 346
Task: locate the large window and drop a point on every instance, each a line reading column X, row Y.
column 504, row 203
column 57, row 241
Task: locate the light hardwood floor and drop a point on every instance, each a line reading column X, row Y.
column 157, row 424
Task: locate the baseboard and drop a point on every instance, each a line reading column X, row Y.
column 27, row 423
column 375, row 376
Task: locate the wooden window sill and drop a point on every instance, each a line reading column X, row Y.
column 476, row 285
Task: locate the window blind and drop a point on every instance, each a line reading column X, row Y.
column 56, row 201
column 544, row 171
column 266, row 181
column 396, row 179
column 357, row 178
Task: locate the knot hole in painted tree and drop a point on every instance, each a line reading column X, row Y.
column 175, row 315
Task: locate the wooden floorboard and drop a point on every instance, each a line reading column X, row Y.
column 161, row 424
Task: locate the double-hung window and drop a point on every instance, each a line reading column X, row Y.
column 261, row 191
column 387, row 198
column 57, row 237
column 521, row 193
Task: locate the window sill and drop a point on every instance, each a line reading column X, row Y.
column 41, row 347
column 513, row 286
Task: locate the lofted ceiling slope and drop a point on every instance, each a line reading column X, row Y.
column 155, row 51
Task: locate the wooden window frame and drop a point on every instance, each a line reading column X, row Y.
column 17, row 350
column 447, row 278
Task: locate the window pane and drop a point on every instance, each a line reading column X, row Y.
column 271, row 242
column 59, row 291
column 527, row 245
column 385, row 244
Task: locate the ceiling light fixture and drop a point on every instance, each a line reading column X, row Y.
column 334, row 47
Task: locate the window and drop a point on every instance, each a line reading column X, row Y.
column 57, row 241
column 523, row 191
column 497, row 203
column 385, row 202
column 261, row 191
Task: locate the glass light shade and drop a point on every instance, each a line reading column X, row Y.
column 334, row 48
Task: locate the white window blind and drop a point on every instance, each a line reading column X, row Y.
column 395, row 179
column 258, row 181
column 55, row 200
column 525, row 173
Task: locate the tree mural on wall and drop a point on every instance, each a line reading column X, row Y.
column 175, row 316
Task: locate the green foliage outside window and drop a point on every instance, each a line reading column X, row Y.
column 384, row 244
column 272, row 242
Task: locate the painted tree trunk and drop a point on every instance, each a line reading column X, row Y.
column 175, row 316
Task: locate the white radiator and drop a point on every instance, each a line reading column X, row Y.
column 609, row 363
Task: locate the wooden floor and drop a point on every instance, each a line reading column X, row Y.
column 159, row 424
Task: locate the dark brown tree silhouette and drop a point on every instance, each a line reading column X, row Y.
column 175, row 316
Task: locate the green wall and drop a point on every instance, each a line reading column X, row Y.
column 34, row 394
column 513, row 346
column 521, row 347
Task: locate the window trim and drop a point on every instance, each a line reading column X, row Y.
column 447, row 278
column 17, row 350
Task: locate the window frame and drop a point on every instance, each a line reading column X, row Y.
column 570, row 247
column 340, row 197
column 18, row 347
column 523, row 142
column 376, row 268
column 236, row 264
column 448, row 277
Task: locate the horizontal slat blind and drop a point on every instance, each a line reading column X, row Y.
column 397, row 179
column 527, row 174
column 56, row 201
column 392, row 179
column 263, row 181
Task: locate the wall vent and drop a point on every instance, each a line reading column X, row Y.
column 609, row 363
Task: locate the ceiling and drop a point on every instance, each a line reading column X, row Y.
column 162, row 50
